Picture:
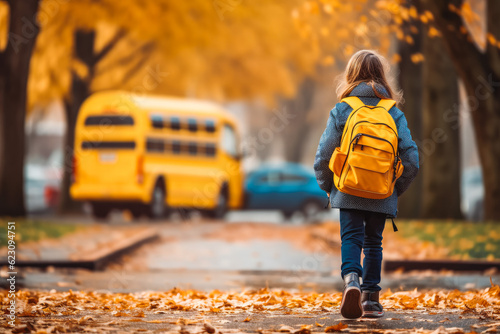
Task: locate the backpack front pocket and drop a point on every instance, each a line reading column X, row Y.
column 368, row 173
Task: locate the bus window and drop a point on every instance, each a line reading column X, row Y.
column 210, row 149
column 157, row 121
column 192, row 125
column 108, row 145
column 209, row 126
column 109, row 120
column 192, row 148
column 229, row 142
column 175, row 123
column 155, row 145
column 176, row 147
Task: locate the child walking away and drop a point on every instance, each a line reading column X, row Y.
column 366, row 158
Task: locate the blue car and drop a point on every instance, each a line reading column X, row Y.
column 287, row 187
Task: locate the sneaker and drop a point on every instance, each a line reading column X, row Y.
column 351, row 299
column 371, row 306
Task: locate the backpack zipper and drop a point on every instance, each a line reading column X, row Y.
column 352, row 114
column 358, row 136
column 378, row 123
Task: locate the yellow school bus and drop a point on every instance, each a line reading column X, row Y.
column 146, row 154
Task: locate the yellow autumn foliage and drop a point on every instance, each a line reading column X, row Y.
column 211, row 49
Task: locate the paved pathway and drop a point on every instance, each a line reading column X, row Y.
column 447, row 321
column 207, row 255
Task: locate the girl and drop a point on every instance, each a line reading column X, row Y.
column 362, row 220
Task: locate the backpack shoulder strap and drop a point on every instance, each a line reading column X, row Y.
column 353, row 101
column 387, row 104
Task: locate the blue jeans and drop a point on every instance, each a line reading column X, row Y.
column 362, row 230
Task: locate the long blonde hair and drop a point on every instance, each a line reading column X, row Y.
column 369, row 67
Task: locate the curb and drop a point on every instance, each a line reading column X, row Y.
column 454, row 265
column 95, row 260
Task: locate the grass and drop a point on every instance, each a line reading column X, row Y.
column 463, row 239
column 34, row 230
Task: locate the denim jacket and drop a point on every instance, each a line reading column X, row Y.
column 330, row 139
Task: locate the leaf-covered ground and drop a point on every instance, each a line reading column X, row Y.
column 46, row 241
column 265, row 311
column 460, row 240
column 35, row 230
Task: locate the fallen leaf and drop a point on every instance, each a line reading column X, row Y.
column 184, row 321
column 454, row 330
column 285, row 328
column 305, row 329
column 84, row 319
column 120, row 314
column 335, row 328
column 209, row 328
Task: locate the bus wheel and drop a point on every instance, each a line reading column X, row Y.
column 136, row 211
column 221, row 208
column 157, row 207
column 100, row 211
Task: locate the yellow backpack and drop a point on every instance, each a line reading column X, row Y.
column 367, row 162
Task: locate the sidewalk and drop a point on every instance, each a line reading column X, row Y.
column 263, row 311
column 118, row 280
column 449, row 321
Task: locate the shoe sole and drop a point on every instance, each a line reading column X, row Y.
column 351, row 304
column 373, row 314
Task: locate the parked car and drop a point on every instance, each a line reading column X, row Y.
column 473, row 194
column 41, row 187
column 287, row 187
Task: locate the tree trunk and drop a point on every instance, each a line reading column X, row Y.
column 80, row 90
column 410, row 81
column 440, row 148
column 480, row 73
column 488, row 141
column 295, row 133
column 14, row 70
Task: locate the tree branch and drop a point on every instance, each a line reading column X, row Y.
column 130, row 73
column 145, row 48
column 493, row 28
column 468, row 59
column 109, row 46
